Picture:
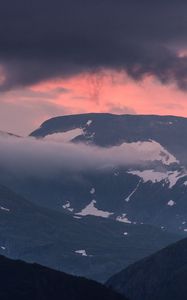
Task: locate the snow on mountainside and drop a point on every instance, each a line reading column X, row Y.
column 91, row 210
column 153, row 176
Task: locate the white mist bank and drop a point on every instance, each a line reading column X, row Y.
column 30, row 156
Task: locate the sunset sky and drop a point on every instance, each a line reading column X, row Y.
column 75, row 56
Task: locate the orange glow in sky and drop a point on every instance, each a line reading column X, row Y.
column 23, row 110
column 117, row 93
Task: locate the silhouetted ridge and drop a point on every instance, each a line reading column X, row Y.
column 162, row 276
column 24, row 281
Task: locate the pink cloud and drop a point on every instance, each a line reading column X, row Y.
column 22, row 111
column 99, row 92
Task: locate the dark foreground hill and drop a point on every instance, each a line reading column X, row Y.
column 22, row 281
column 162, row 276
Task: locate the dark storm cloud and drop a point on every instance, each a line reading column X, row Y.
column 46, row 39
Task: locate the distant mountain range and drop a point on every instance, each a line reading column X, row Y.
column 22, row 281
column 158, row 277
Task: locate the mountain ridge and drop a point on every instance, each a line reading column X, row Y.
column 20, row 280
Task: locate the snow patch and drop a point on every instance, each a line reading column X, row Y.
column 116, row 173
column 90, row 137
column 173, row 177
column 171, row 203
column 4, row 208
column 92, row 191
column 67, row 206
column 89, row 122
column 125, row 233
column 81, row 252
column 77, row 217
column 90, row 209
column 133, row 192
column 150, row 175
column 123, row 218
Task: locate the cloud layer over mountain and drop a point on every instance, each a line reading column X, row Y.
column 31, row 157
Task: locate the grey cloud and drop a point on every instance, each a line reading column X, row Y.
column 41, row 40
column 30, row 157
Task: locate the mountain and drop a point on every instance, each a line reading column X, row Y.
column 153, row 192
column 159, row 277
column 20, row 280
column 107, row 130
column 92, row 247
